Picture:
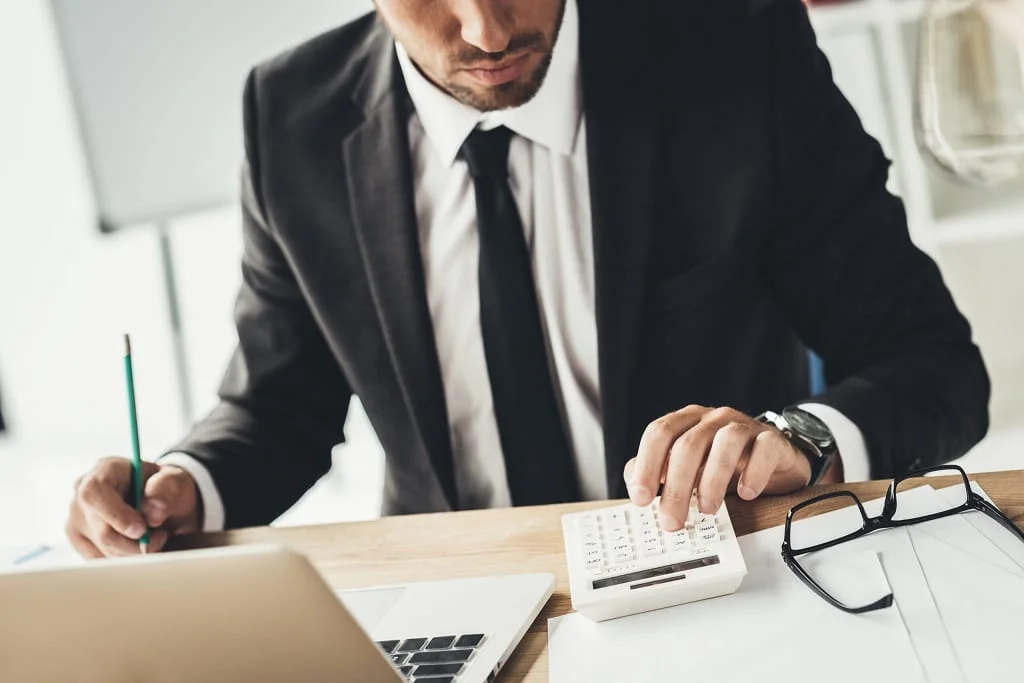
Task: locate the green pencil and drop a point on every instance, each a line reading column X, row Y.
column 136, row 451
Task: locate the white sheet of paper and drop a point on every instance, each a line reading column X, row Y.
column 39, row 557
column 970, row 533
column 990, row 529
column 978, row 588
column 772, row 628
column 913, row 598
column 982, row 607
column 858, row 579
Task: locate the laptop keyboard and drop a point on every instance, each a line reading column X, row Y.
column 432, row 660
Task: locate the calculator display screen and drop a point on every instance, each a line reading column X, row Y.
column 656, row 571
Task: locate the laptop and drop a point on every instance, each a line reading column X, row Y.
column 255, row 613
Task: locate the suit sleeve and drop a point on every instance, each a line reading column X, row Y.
column 898, row 355
column 284, row 399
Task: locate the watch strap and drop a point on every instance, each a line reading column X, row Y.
column 819, row 459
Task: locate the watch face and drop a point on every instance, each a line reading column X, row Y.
column 807, row 424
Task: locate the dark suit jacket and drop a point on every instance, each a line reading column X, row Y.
column 740, row 216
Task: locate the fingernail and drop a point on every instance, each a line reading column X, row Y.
column 668, row 522
column 136, row 530
column 746, row 492
column 638, row 493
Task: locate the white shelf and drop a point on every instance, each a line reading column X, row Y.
column 844, row 16
column 853, row 14
column 907, row 10
column 941, row 211
column 997, row 223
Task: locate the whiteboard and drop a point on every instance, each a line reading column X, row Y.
column 157, row 87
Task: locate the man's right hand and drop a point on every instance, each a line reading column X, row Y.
column 102, row 524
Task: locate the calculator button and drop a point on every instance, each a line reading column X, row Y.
column 679, row 541
column 399, row 658
column 650, row 548
column 616, row 518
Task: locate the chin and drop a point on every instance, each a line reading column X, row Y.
column 493, row 98
column 504, row 96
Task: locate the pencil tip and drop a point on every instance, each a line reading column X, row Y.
column 127, row 345
column 144, row 548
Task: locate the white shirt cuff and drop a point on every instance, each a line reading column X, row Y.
column 213, row 506
column 849, row 439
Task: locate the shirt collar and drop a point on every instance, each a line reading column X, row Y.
column 551, row 118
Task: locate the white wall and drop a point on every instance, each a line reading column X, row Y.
column 68, row 293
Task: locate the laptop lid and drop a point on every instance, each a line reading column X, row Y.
column 229, row 614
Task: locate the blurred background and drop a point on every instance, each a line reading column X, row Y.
column 119, row 154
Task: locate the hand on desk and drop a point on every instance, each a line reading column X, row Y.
column 102, row 524
column 713, row 450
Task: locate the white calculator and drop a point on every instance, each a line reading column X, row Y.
column 621, row 562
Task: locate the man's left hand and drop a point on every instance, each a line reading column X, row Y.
column 712, row 450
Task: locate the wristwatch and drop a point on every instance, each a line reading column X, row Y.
column 809, row 434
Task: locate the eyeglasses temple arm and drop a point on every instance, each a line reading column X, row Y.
column 881, row 603
column 995, row 513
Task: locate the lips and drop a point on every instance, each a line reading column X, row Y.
column 499, row 74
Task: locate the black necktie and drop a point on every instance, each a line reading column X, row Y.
column 538, row 462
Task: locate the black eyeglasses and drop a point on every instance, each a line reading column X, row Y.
column 853, row 522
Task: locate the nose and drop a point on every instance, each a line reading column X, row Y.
column 486, row 24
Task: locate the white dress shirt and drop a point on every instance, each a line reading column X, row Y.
column 548, row 178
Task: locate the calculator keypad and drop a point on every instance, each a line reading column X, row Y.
column 614, row 540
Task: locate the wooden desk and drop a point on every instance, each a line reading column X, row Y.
column 476, row 543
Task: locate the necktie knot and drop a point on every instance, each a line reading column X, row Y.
column 486, row 152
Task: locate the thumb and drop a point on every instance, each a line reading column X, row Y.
column 170, row 498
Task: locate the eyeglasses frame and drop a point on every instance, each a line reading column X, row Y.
column 883, row 521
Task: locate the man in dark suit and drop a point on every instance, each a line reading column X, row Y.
column 563, row 250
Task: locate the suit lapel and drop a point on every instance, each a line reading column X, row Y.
column 380, row 190
column 623, row 116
